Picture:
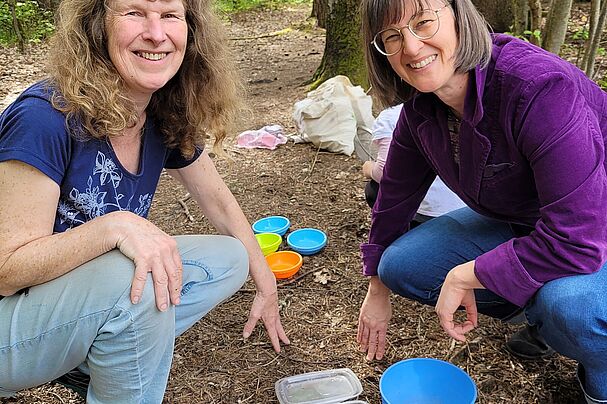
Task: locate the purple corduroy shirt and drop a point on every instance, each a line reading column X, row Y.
column 532, row 152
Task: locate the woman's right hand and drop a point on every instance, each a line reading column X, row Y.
column 375, row 313
column 368, row 169
column 152, row 250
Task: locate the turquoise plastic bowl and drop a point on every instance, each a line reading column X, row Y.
column 307, row 241
column 426, row 381
column 272, row 224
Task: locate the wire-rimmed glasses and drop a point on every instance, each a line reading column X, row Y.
column 423, row 25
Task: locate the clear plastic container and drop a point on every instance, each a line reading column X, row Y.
column 323, row 387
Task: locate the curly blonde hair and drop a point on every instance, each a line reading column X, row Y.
column 202, row 98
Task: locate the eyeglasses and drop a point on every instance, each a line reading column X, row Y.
column 423, row 25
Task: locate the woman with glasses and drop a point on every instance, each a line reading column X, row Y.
column 519, row 134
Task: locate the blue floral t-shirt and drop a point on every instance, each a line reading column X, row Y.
column 91, row 179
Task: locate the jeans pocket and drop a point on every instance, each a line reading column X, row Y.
column 194, row 272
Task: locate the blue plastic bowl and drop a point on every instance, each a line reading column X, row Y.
column 425, row 381
column 272, row 224
column 307, row 241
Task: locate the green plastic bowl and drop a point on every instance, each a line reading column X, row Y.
column 269, row 242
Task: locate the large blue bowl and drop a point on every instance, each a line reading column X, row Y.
column 272, row 224
column 307, row 241
column 425, row 381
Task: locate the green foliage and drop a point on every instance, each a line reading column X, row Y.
column 36, row 23
column 228, row 6
column 537, row 34
column 581, row 34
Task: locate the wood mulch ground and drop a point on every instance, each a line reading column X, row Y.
column 212, row 363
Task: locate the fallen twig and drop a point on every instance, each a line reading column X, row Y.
column 275, row 33
column 460, row 352
column 57, row 396
column 182, row 202
column 313, row 163
column 252, row 395
column 298, row 277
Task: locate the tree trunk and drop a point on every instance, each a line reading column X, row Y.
column 499, row 14
column 595, row 13
column 535, row 7
column 343, row 49
column 556, row 25
column 319, row 11
column 46, row 5
column 594, row 40
column 17, row 25
column 520, row 12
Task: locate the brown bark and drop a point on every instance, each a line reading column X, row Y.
column 520, row 12
column 595, row 39
column 17, row 25
column 343, row 48
column 535, row 8
column 319, row 11
column 499, row 14
column 556, row 25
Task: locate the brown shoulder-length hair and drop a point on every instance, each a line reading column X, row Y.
column 202, row 98
column 473, row 45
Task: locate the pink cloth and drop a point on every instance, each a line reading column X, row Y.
column 268, row 137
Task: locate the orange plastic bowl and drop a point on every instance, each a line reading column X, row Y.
column 284, row 264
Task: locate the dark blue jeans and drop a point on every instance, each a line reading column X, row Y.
column 571, row 312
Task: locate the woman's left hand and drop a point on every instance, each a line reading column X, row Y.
column 265, row 307
column 458, row 290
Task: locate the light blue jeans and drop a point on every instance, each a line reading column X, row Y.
column 85, row 319
column 571, row 312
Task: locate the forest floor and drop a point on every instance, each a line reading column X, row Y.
column 319, row 307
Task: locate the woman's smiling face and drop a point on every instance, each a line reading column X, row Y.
column 147, row 40
column 426, row 64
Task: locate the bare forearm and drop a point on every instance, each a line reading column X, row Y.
column 49, row 257
column 218, row 204
column 230, row 220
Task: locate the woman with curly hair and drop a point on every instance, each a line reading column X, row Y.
column 93, row 293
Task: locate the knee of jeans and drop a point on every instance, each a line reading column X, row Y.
column 104, row 279
column 578, row 313
column 402, row 276
column 145, row 314
column 239, row 261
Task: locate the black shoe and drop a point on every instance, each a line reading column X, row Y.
column 76, row 381
column 527, row 343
